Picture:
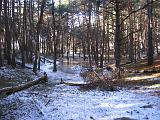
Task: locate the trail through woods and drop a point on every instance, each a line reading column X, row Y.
column 54, row 101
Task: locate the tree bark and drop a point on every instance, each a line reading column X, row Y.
column 131, row 51
column 38, row 26
column 150, row 39
column 54, row 39
column 4, row 92
column 117, row 42
column 1, row 35
column 89, row 34
column 7, row 34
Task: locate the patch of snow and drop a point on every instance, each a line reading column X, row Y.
column 67, row 102
column 77, row 69
column 64, row 72
column 62, row 102
column 107, row 73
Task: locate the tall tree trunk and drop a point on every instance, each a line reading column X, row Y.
column 7, row 33
column 23, row 48
column 54, row 39
column 103, row 39
column 89, row 35
column 1, row 35
column 117, row 43
column 73, row 38
column 13, row 34
column 131, row 51
column 38, row 26
column 150, row 40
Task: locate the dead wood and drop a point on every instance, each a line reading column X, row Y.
column 74, row 83
column 100, row 83
column 10, row 90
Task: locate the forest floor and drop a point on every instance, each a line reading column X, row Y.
column 138, row 100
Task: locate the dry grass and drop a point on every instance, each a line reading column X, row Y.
column 102, row 82
column 139, row 74
column 142, row 65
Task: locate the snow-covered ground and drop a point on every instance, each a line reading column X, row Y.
column 65, row 72
column 52, row 101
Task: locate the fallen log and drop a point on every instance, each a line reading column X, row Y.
column 75, row 83
column 10, row 90
column 99, row 82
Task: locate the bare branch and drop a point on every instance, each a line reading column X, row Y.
column 136, row 11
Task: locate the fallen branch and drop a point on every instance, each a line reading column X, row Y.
column 75, row 83
column 99, row 81
column 101, row 84
column 10, row 90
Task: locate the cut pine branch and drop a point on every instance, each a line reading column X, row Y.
column 4, row 92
